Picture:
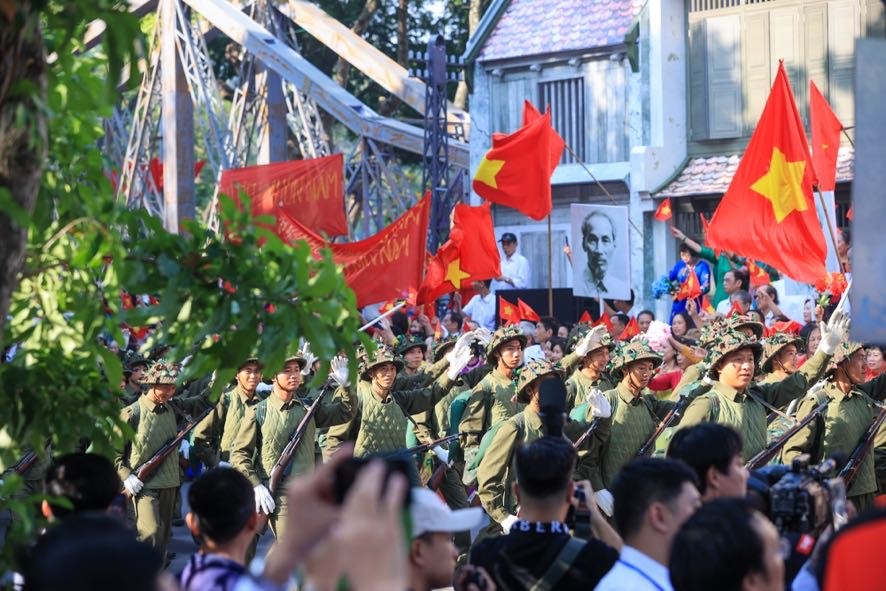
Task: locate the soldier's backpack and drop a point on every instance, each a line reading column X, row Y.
column 470, row 475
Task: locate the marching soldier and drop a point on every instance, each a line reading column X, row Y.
column 735, row 401
column 850, row 412
column 215, row 435
column 380, row 423
column 154, row 417
column 134, row 367
column 412, row 350
column 267, row 427
column 591, row 373
column 779, row 359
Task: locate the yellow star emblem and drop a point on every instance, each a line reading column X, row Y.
column 508, row 311
column 783, row 185
column 666, row 210
column 454, row 274
column 486, row 171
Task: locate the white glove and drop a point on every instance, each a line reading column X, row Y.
column 133, row 485
column 458, row 362
column 441, row 453
column 482, row 335
column 604, row 501
column 185, row 449
column 508, row 522
column 594, row 337
column 600, row 406
column 310, row 358
column 461, row 343
column 339, row 373
column 223, row 464
column 264, row 502
column 834, row 332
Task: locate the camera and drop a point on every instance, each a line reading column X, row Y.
column 346, row 473
column 804, row 500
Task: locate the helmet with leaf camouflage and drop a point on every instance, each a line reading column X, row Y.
column 407, row 342
column 844, row 351
column 444, row 346
column 502, row 336
column 775, row 344
column 132, row 359
column 531, row 372
column 637, row 349
column 738, row 322
column 383, row 354
column 730, row 342
column 161, row 372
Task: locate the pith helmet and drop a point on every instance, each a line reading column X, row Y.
column 533, row 371
column 772, row 345
column 637, row 349
column 729, row 342
column 443, row 347
column 740, row 321
column 408, row 342
column 132, row 359
column 297, row 357
column 249, row 360
column 844, row 351
column 711, row 331
column 502, row 336
column 161, row 372
column 382, row 354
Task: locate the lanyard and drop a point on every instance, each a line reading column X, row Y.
column 642, row 574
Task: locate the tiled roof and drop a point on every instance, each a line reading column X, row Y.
column 712, row 175
column 535, row 27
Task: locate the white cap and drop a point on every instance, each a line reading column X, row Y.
column 430, row 514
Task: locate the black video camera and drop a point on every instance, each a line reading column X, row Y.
column 806, row 499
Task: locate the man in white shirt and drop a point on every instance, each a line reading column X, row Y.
column 653, row 498
column 514, row 266
column 481, row 308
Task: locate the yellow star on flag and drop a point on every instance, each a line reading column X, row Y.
column 783, row 185
column 508, row 311
column 666, row 210
column 454, row 274
column 486, row 171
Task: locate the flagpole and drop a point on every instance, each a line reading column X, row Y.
column 550, row 268
column 846, row 133
column 827, row 220
column 385, row 315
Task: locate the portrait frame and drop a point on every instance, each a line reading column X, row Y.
column 608, row 275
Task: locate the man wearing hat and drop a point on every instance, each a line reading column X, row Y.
column 432, row 555
column 514, row 266
column 412, row 350
column 154, row 418
column 849, row 414
column 267, row 427
column 214, row 436
column 591, row 373
column 381, row 415
column 634, row 417
column 780, row 357
column 735, row 401
column 134, row 367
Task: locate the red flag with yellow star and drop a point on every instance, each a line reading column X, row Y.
column 826, row 130
column 469, row 255
column 664, row 213
column 767, row 213
column 517, row 170
column 508, row 312
column 526, row 311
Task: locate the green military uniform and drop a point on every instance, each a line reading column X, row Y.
column 847, row 418
column 131, row 392
column 772, row 346
column 214, row 437
column 743, row 410
column 265, row 430
column 579, row 385
column 154, row 425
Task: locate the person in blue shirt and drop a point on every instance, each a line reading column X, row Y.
column 680, row 273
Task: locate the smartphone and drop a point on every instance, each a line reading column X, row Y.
column 346, row 474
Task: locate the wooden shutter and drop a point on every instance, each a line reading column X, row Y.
column 725, row 114
column 698, row 82
column 785, row 44
column 815, row 36
column 843, row 29
column 755, row 59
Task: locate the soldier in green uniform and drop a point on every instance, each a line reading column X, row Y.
column 591, row 373
column 634, row 417
column 154, row 417
column 214, row 436
column 380, row 421
column 735, row 401
column 412, row 350
column 851, row 410
column 267, row 427
column 134, row 367
column 779, row 359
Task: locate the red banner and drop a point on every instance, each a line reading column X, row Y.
column 309, row 191
column 380, row 267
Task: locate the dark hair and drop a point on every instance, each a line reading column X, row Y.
column 758, row 314
column 88, row 481
column 486, row 282
column 742, row 275
column 550, row 323
column 222, row 500
column 455, row 317
column 648, row 312
column 689, row 323
column 558, row 342
column 544, row 467
column 685, row 248
column 90, row 551
column 642, row 482
column 399, row 323
column 806, row 332
column 704, row 445
column 622, row 317
column 773, row 293
column 717, row 547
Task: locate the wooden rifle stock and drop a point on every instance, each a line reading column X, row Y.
column 146, row 470
column 666, row 422
column 850, row 470
column 25, row 463
column 282, row 463
column 420, row 449
column 577, row 443
column 765, row 455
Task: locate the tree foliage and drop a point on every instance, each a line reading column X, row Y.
column 221, row 297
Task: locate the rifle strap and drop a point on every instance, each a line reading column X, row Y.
column 772, row 408
column 561, row 565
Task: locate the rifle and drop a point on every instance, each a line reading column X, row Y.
column 420, row 449
column 282, row 463
column 853, row 465
column 149, row 466
column 765, row 455
column 668, row 420
column 25, row 463
column 577, row 443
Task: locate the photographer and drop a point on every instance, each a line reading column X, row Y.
column 539, row 549
column 714, row 452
